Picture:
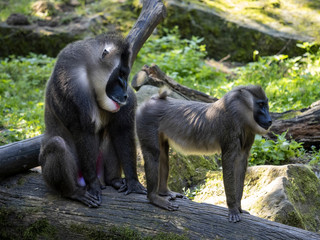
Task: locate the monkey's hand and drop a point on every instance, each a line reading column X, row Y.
column 132, row 186
column 94, row 189
column 234, row 215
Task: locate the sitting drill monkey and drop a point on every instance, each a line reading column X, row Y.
column 90, row 121
column 228, row 126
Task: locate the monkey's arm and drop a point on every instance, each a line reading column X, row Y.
column 122, row 133
column 79, row 122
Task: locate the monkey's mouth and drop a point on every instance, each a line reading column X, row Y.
column 117, row 102
column 266, row 126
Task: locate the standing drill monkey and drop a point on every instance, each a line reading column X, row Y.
column 228, row 126
column 90, row 118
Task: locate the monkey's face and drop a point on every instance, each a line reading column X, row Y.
column 111, row 90
column 117, row 85
column 261, row 113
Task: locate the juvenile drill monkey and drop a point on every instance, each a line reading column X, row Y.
column 227, row 126
column 90, row 118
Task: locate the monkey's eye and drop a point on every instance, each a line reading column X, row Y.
column 261, row 104
column 105, row 52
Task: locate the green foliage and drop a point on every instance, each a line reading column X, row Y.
column 274, row 152
column 290, row 83
column 22, row 84
column 315, row 156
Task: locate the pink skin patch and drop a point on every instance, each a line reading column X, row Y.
column 80, row 179
column 117, row 106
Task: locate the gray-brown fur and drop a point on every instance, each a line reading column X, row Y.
column 90, row 113
column 227, row 126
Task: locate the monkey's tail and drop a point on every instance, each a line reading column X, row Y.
column 164, row 92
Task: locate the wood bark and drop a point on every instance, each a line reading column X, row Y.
column 152, row 13
column 28, row 198
column 302, row 125
column 19, row 156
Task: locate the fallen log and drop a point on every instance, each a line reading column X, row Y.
column 302, row 125
column 26, row 204
column 19, row 156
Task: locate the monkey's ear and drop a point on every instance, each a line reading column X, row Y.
column 105, row 52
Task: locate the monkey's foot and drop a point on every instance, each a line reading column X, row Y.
column 87, row 199
column 172, row 195
column 117, row 183
column 244, row 211
column 162, row 202
column 132, row 186
column 234, row 215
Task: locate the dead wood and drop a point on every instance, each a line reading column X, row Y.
column 27, row 198
column 154, row 76
column 302, row 125
column 152, row 13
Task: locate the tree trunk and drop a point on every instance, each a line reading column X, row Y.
column 27, row 204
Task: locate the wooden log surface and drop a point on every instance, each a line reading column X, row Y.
column 27, row 195
column 19, row 156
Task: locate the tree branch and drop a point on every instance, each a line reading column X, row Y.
column 152, row 13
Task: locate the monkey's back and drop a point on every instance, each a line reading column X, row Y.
column 187, row 125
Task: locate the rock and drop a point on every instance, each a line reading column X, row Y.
column 43, row 36
column 224, row 35
column 288, row 194
column 17, row 19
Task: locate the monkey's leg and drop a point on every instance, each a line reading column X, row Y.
column 164, row 170
column 151, row 163
column 112, row 166
column 230, row 167
column 240, row 176
column 60, row 171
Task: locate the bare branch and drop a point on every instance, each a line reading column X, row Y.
column 152, row 13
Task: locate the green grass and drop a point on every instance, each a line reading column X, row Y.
column 22, row 84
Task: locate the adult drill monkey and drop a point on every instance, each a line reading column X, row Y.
column 90, row 115
column 227, row 126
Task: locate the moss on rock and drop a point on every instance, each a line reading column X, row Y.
column 224, row 37
column 187, row 171
column 288, row 194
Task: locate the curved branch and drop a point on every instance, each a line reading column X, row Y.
column 152, row 13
